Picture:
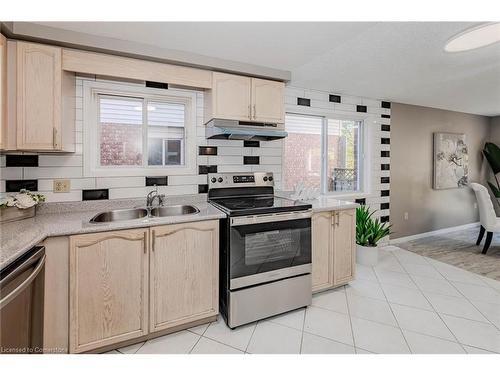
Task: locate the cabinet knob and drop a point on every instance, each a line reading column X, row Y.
column 213, row 179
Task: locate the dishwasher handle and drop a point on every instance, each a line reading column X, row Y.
column 23, row 267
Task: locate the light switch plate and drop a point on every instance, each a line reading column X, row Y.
column 62, row 186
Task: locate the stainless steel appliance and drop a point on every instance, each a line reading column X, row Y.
column 21, row 304
column 265, row 248
column 243, row 130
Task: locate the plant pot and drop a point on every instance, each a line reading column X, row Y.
column 367, row 255
column 8, row 214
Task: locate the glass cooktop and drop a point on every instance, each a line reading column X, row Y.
column 237, row 206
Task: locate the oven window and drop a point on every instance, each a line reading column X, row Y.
column 258, row 248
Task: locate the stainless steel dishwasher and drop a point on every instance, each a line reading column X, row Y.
column 21, row 304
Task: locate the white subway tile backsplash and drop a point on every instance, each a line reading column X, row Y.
column 52, row 172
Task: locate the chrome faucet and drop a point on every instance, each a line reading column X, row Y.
column 152, row 195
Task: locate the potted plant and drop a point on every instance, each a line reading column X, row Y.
column 369, row 232
column 19, row 206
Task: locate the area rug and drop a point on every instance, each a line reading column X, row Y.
column 459, row 249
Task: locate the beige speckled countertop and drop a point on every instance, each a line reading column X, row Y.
column 62, row 219
column 323, row 202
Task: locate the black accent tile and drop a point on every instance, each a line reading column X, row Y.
column 158, row 181
column 251, row 144
column 157, row 85
column 335, row 98
column 385, row 141
column 361, row 108
column 21, row 160
column 95, row 194
column 385, row 154
column 304, row 101
column 361, row 201
column 385, row 180
column 251, row 160
column 202, row 189
column 206, row 169
column 384, row 193
column 385, row 128
column 207, row 150
column 384, row 206
column 13, row 186
column 384, row 219
column 385, row 167
column 386, row 105
column 386, row 116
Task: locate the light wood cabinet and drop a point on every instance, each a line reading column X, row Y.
column 3, row 91
column 333, row 249
column 108, row 288
column 243, row 98
column 45, row 99
column 184, row 273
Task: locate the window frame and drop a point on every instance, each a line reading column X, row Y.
column 362, row 150
column 92, row 90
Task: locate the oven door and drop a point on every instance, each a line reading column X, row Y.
column 269, row 247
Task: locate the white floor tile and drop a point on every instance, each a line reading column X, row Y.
column 365, row 273
column 422, row 344
column 390, row 264
column 362, row 351
column 477, row 334
column 312, row 344
column 208, row 346
column 200, row 330
column 378, row 338
column 271, row 338
column 456, row 306
column 421, row 321
column 176, row 343
column 425, row 270
column 293, row 319
column 490, row 310
column 331, row 300
column 395, row 278
column 407, row 257
column 329, row 324
column 472, row 350
column 237, row 338
column 365, row 288
column 436, row 286
column 495, row 284
column 371, row 309
column 406, row 296
column 130, row 349
column 456, row 274
column 112, row 352
column 478, row 293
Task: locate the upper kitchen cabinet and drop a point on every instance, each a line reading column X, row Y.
column 242, row 98
column 3, row 91
column 45, row 100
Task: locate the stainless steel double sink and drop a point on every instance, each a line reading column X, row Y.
column 139, row 213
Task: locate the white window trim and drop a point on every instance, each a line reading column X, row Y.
column 364, row 154
column 91, row 143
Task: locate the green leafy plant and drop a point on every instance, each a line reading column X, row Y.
column 492, row 154
column 368, row 230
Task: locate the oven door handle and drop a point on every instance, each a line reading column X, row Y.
column 268, row 218
column 9, row 297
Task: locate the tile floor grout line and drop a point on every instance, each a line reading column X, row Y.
column 350, row 322
column 302, row 335
column 196, row 343
column 223, row 343
column 251, row 337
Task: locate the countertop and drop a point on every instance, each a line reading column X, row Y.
column 62, row 219
column 323, row 202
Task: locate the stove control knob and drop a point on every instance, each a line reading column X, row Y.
column 270, row 178
column 220, row 179
column 213, row 179
column 265, row 178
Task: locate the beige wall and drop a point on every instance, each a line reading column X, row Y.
column 495, row 130
column 412, row 129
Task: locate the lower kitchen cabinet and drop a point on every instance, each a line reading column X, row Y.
column 108, row 288
column 333, row 248
column 184, row 276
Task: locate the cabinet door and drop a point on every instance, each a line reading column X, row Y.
column 322, row 258
column 344, row 246
column 108, row 288
column 3, row 91
column 184, row 268
column 268, row 101
column 39, row 77
column 231, row 97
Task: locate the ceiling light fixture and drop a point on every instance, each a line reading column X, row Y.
column 476, row 37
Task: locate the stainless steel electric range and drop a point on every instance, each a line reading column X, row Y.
column 265, row 248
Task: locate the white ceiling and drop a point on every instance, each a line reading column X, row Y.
column 396, row 61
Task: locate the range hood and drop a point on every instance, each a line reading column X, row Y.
column 233, row 129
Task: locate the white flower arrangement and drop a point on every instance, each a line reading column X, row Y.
column 22, row 200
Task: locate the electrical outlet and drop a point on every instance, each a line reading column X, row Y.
column 62, row 186
column 406, row 216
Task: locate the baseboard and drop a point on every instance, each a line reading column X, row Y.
column 433, row 233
